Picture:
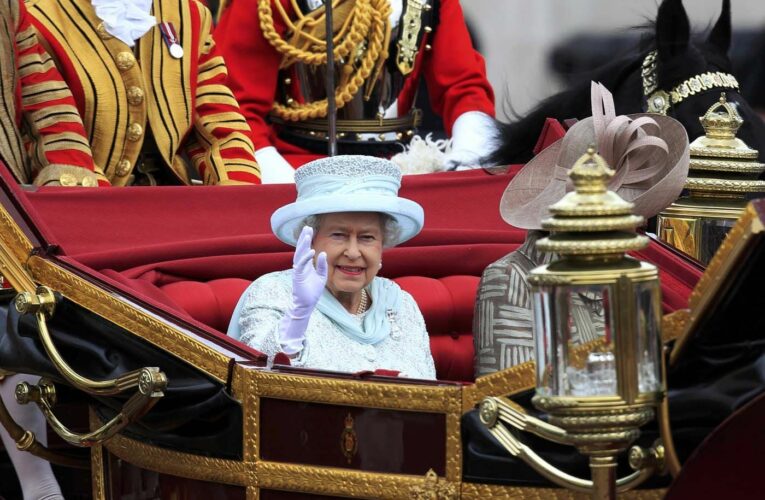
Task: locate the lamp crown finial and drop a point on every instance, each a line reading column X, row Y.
column 722, row 121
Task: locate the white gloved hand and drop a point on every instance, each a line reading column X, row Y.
column 308, row 284
column 474, row 136
column 274, row 169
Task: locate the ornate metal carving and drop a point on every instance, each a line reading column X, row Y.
column 433, row 489
column 349, row 441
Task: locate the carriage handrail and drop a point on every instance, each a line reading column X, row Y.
column 152, row 382
column 42, row 304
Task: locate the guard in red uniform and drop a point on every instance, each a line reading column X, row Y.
column 276, row 54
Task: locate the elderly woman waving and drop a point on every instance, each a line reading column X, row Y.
column 332, row 311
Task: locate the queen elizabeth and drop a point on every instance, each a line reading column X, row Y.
column 331, row 311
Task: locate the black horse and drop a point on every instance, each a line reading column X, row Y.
column 677, row 58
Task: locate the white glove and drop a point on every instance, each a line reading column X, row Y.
column 307, row 286
column 274, row 169
column 474, row 136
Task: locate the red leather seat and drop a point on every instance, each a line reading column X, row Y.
column 446, row 305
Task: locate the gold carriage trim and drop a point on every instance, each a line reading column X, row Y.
column 659, row 101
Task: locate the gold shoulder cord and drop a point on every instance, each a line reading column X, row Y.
column 361, row 29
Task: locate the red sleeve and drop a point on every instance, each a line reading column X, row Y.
column 253, row 64
column 56, row 142
column 454, row 72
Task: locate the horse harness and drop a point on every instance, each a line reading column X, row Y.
column 659, row 101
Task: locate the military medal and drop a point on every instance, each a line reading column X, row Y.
column 171, row 39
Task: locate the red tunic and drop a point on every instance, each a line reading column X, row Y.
column 454, row 72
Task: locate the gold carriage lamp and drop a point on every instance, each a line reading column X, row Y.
column 723, row 174
column 600, row 379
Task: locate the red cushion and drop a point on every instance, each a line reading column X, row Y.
column 212, row 302
column 446, row 305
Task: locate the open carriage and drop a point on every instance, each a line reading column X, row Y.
column 138, row 286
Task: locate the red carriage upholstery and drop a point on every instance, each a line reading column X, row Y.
column 446, row 305
column 190, row 251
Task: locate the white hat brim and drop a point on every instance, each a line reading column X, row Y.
column 287, row 221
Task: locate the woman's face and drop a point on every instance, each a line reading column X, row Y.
column 353, row 242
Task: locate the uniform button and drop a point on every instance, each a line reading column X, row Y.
column 101, row 29
column 135, row 95
column 124, row 167
column 125, row 60
column 135, row 132
column 89, row 182
column 67, row 180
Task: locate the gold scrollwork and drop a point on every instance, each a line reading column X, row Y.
column 245, row 389
column 592, row 247
column 340, row 482
column 727, row 164
column 16, row 240
column 437, row 399
column 14, row 250
column 478, row 491
column 433, row 489
column 507, row 382
column 724, row 185
column 674, row 323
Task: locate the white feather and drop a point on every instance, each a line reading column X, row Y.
column 423, row 156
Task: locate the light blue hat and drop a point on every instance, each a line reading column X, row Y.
column 348, row 183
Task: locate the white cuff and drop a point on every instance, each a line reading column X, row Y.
column 474, row 137
column 274, row 169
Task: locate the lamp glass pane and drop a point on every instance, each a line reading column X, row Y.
column 573, row 333
column 648, row 297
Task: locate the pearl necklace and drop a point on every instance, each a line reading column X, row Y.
column 363, row 302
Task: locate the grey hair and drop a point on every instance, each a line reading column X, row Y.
column 391, row 232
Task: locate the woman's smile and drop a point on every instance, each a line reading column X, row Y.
column 351, row 270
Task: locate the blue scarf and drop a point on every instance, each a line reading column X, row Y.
column 386, row 296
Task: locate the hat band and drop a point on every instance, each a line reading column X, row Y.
column 338, row 186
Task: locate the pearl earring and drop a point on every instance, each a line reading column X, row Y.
column 380, row 263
